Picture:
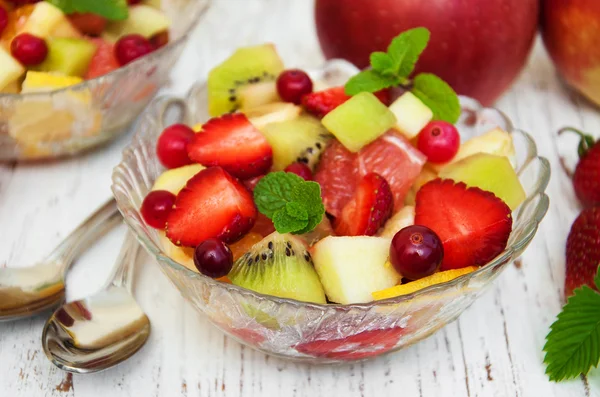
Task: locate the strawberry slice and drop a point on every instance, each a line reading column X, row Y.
column 88, row 23
column 371, row 206
column 232, row 142
column 212, row 204
column 474, row 225
column 322, row 102
column 583, row 251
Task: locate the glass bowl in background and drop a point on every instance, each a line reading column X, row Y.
column 325, row 333
column 67, row 121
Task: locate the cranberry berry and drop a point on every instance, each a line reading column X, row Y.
column 131, row 47
column 293, row 84
column 156, row 208
column 416, row 252
column 439, row 141
column 213, row 258
column 171, row 147
column 29, row 49
column 300, row 169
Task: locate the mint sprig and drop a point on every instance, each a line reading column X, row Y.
column 573, row 344
column 114, row 10
column 293, row 204
column 393, row 68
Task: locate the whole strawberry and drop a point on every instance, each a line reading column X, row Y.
column 583, row 250
column 586, row 179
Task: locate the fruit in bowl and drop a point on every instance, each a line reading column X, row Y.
column 310, row 197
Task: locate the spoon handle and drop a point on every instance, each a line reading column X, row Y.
column 123, row 272
column 103, row 219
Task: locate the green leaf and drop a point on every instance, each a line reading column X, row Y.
column 438, row 96
column 115, row 10
column 573, row 344
column 296, row 210
column 284, row 223
column 274, row 190
column 309, row 195
column 382, row 63
column 597, row 279
column 406, row 48
column 369, row 81
column 313, row 221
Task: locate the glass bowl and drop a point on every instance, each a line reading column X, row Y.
column 67, row 121
column 312, row 332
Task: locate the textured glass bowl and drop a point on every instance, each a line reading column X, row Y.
column 325, row 333
column 67, row 121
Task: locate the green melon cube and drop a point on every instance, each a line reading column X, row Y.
column 68, row 56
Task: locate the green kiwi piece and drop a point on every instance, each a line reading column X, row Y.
column 247, row 65
column 279, row 265
column 301, row 139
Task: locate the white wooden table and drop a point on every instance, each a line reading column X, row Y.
column 494, row 349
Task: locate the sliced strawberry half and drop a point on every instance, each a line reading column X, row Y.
column 212, row 204
column 474, row 225
column 371, row 206
column 232, row 142
column 322, row 102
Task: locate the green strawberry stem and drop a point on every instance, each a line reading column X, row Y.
column 586, row 143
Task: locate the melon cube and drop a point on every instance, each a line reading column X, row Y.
column 10, row 69
column 42, row 81
column 68, row 56
column 412, row 115
column 47, row 20
column 143, row 19
column 359, row 121
column 352, row 268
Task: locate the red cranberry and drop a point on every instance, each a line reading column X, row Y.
column 439, row 141
column 213, row 258
column 131, row 47
column 171, row 147
column 293, row 84
column 29, row 49
column 156, row 208
column 416, row 252
column 3, row 19
column 300, row 169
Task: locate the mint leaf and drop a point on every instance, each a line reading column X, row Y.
column 597, row 279
column 573, row 344
column 285, row 223
column 369, row 81
column 313, row 221
column 406, row 48
column 296, row 210
column 273, row 191
column 309, row 195
column 438, row 96
column 382, row 63
column 114, row 10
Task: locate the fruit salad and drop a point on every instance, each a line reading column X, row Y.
column 334, row 195
column 47, row 45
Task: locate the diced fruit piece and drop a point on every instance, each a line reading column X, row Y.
column 10, row 69
column 322, row 102
column 104, row 60
column 427, row 174
column 413, row 286
column 352, row 268
column 416, row 252
column 293, row 84
column 384, row 96
column 156, row 207
column 390, row 156
column 16, row 20
column 412, row 115
column 258, row 94
column 322, row 230
column 495, row 141
column 474, row 225
column 68, row 56
column 281, row 266
column 212, row 204
column 172, row 144
column 232, row 142
column 88, row 23
column 263, row 225
column 182, row 255
column 276, row 112
column 160, row 40
column 300, row 169
column 12, row 88
column 359, row 121
column 371, row 206
column 488, row 172
column 239, row 248
column 213, row 258
column 174, row 180
column 47, row 20
column 143, row 20
column 439, row 141
column 3, row 19
column 131, row 47
column 42, row 81
column 248, row 65
column 299, row 140
column 401, row 219
column 28, row 49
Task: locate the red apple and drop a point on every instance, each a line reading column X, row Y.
column 477, row 46
column 571, row 33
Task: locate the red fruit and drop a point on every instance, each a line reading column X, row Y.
column 156, row 207
column 29, row 49
column 88, row 23
column 300, row 169
column 213, row 258
column 416, row 252
column 583, row 251
column 439, row 141
column 104, row 60
column 232, row 142
column 293, row 84
column 586, row 179
column 3, row 19
column 131, row 47
column 252, row 182
column 171, row 147
column 322, row 102
column 384, row 96
column 263, row 225
column 391, row 156
column 133, row 2
column 160, row 40
column 23, row 2
column 212, row 204
column 371, row 206
column 474, row 225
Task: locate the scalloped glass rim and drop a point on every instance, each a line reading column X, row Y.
column 537, row 198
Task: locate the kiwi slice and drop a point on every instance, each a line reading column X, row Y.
column 279, row 265
column 275, row 112
column 301, row 139
column 247, row 66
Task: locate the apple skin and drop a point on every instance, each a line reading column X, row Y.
column 571, row 33
column 477, row 46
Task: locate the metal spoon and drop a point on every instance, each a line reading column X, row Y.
column 25, row 292
column 103, row 330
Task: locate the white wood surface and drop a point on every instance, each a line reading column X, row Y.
column 494, row 349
